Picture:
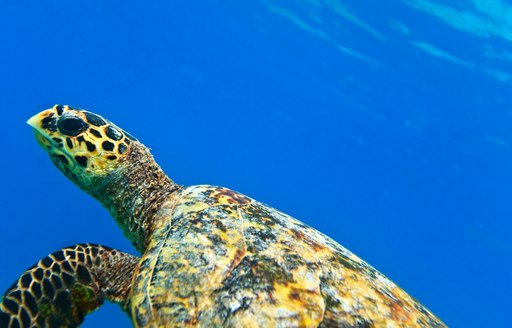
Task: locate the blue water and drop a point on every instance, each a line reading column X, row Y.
column 384, row 124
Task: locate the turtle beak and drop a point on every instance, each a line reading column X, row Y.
column 44, row 124
column 34, row 121
column 46, row 131
column 45, row 120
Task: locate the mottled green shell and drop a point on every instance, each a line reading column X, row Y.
column 218, row 258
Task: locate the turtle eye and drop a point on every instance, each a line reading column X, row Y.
column 71, row 126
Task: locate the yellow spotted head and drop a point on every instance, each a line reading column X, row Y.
column 107, row 163
column 81, row 144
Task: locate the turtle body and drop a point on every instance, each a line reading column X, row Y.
column 210, row 257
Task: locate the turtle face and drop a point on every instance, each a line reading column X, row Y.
column 80, row 143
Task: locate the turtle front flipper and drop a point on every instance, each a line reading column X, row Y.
column 63, row 287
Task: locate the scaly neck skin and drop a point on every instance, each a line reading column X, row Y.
column 133, row 193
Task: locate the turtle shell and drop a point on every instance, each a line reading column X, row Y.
column 219, row 258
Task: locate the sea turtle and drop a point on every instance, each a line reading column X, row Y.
column 210, row 257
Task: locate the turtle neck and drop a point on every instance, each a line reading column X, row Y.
column 133, row 193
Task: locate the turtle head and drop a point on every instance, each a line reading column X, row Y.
column 83, row 145
column 109, row 164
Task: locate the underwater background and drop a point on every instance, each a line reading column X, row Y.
column 386, row 125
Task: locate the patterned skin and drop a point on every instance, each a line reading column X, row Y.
column 60, row 289
column 211, row 257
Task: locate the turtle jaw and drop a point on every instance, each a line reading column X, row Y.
column 45, row 120
column 42, row 141
column 44, row 124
